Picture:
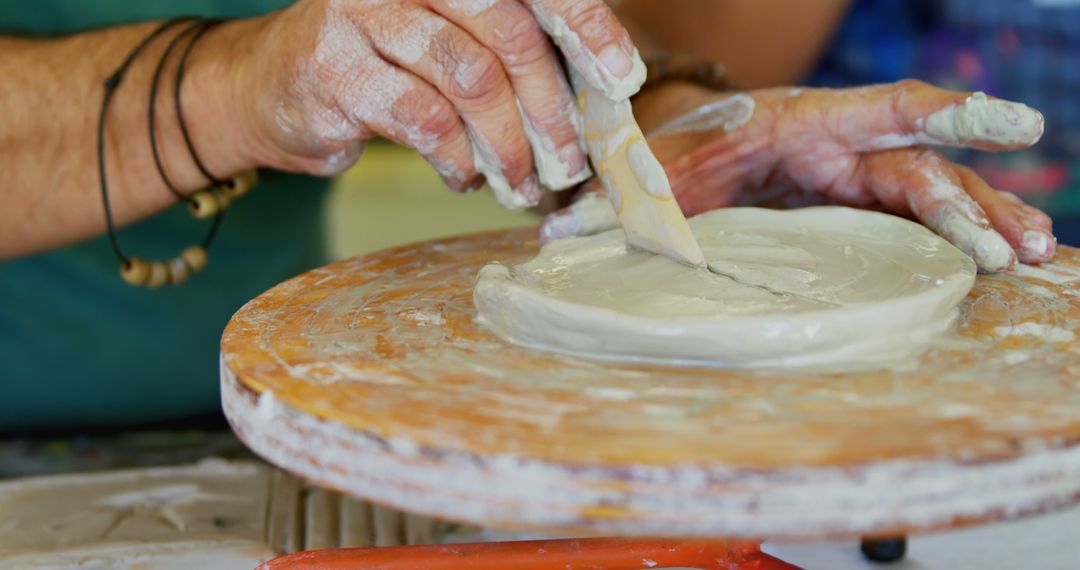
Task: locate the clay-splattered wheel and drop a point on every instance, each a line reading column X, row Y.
column 371, row 376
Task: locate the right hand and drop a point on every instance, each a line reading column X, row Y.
column 864, row 147
column 445, row 77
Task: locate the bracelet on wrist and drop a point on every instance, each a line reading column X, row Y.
column 677, row 66
column 203, row 204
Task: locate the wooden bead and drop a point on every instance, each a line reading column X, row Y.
column 135, row 271
column 159, row 275
column 240, row 184
column 204, row 204
column 222, row 198
column 195, row 257
column 178, row 270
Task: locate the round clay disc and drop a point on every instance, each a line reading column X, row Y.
column 812, row 286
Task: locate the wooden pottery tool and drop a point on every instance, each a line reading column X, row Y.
column 371, row 376
column 634, row 180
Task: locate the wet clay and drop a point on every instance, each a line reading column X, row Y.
column 799, row 287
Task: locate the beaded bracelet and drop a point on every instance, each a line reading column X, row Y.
column 667, row 66
column 202, row 204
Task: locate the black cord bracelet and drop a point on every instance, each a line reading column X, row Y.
column 151, row 118
column 193, row 258
column 223, row 190
column 180, row 68
column 111, row 83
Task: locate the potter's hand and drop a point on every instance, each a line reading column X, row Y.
column 862, row 147
column 474, row 85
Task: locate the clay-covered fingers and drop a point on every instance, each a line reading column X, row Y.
column 419, row 117
column 594, row 42
column 358, row 95
column 476, row 86
column 912, row 112
column 472, row 78
column 923, row 183
column 1027, row 229
column 590, row 213
column 548, row 108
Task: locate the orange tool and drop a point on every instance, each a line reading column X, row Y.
column 564, row 554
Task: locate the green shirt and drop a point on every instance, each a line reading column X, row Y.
column 78, row 346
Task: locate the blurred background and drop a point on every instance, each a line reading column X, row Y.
column 392, row 197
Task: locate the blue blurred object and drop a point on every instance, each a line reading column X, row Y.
column 1023, row 50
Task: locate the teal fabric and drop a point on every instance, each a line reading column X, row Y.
column 58, row 17
column 78, row 347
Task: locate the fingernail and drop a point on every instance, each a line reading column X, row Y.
column 1040, row 126
column 530, row 189
column 1037, row 246
column 616, row 60
column 577, row 165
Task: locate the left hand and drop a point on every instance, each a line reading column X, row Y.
column 476, row 87
column 863, row 147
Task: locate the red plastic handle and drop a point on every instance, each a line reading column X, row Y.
column 564, row 554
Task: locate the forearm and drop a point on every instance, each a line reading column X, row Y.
column 52, row 92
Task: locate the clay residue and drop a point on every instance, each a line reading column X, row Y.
column 586, row 62
column 486, row 161
column 551, row 166
column 728, row 114
column 160, row 505
column 1039, row 330
column 981, row 119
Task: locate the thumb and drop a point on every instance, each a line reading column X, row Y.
column 590, row 213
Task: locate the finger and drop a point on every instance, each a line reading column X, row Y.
column 548, row 109
column 472, row 79
column 1027, row 231
column 383, row 100
column 424, row 120
column 591, row 213
column 912, row 112
column 921, row 182
column 1034, row 216
column 594, row 42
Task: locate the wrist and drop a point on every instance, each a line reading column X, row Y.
column 263, row 100
column 215, row 96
